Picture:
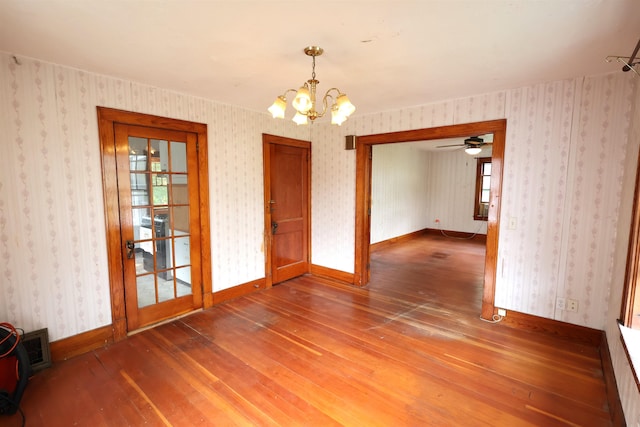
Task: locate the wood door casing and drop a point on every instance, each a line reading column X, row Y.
column 287, row 184
column 363, row 195
column 107, row 119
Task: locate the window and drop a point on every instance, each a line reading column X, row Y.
column 483, row 189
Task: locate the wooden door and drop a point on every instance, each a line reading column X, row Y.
column 287, row 202
column 157, row 172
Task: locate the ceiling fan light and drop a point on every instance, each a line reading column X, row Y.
column 300, row 119
column 278, row 107
column 472, row 151
column 345, row 106
column 302, row 101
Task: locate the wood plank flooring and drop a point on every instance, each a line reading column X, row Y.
column 408, row 350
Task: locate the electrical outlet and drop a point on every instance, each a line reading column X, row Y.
column 561, row 303
column 502, row 312
column 572, row 305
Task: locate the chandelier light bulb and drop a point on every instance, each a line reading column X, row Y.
column 344, row 105
column 302, row 101
column 278, row 108
column 337, row 118
column 300, row 119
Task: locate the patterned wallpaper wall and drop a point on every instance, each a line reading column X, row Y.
column 564, row 152
column 564, row 163
column 565, row 145
column 52, row 231
column 627, row 387
column 452, row 185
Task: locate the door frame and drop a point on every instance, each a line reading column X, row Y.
column 364, row 146
column 267, row 140
column 107, row 118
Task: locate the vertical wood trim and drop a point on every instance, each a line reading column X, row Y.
column 106, row 132
column 493, row 224
column 633, row 259
column 266, row 162
column 363, row 218
column 107, row 118
column 205, row 225
column 125, row 220
column 363, row 194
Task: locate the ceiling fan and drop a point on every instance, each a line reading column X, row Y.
column 472, row 145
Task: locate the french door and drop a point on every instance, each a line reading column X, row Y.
column 156, row 216
column 157, row 233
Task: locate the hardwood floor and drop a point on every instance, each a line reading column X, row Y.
column 408, row 350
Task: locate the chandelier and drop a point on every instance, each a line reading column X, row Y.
column 305, row 99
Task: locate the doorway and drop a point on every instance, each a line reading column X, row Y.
column 287, row 189
column 362, row 271
column 155, row 186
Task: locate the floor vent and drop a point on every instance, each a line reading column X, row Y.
column 37, row 345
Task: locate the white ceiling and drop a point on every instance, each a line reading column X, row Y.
column 385, row 54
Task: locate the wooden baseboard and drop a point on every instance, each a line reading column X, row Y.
column 238, row 291
column 553, row 327
column 613, row 396
column 330, row 273
column 431, row 231
column 405, row 237
column 81, row 343
column 457, row 234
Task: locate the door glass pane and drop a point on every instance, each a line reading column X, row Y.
column 146, row 290
column 182, row 251
column 166, row 288
column 140, row 217
column 160, row 154
column 178, row 157
column 159, row 183
column 181, row 219
column 184, row 281
column 139, row 189
column 160, row 217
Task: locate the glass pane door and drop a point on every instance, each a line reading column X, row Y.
column 160, row 213
column 159, row 222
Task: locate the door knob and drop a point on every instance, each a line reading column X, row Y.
column 130, row 247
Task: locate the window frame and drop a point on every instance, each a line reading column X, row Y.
column 630, row 307
column 481, row 161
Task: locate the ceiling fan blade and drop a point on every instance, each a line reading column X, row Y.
column 452, row 145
